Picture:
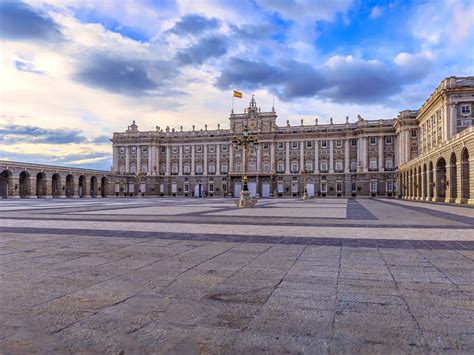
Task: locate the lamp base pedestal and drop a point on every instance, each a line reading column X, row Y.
column 245, row 200
column 305, row 195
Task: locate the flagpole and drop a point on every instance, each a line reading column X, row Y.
column 232, row 102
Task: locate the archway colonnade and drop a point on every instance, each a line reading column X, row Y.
column 443, row 176
column 17, row 181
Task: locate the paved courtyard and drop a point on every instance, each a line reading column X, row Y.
column 200, row 276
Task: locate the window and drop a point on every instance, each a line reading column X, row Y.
column 354, row 187
column 199, row 148
column 280, row 145
column 187, row 149
column 373, row 186
column 338, row 165
column 163, row 149
column 175, row 149
column 294, row 167
column 224, row 187
column 413, row 133
column 324, row 187
column 389, row 164
column 238, row 168
column 186, row 188
column 134, row 150
column 224, row 147
column 353, row 165
column 323, row 166
column 373, row 140
column 174, row 169
column 389, row 186
column 339, row 187
column 199, row 169
column 144, row 169
column 224, row 167
column 309, row 165
column 186, row 169
column 280, row 167
column 324, row 144
column 211, row 187
column 294, row 145
column 163, row 169
column 354, row 142
column 265, row 145
column 212, row 148
column 309, row 144
column 252, row 166
column 266, row 167
column 212, row 168
column 465, row 110
column 373, row 164
column 339, row 143
column 388, row 140
column 122, row 150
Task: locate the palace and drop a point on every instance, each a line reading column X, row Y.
column 425, row 154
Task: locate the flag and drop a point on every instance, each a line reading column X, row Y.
column 237, row 94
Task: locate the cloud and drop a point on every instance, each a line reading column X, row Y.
column 376, row 12
column 126, row 76
column 16, row 133
column 194, row 24
column 205, row 49
column 19, row 21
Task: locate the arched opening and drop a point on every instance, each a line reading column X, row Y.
column 56, row 185
column 425, row 182
column 41, row 188
column 82, row 186
column 431, row 182
column 6, row 182
column 419, row 183
column 24, row 184
column 103, row 187
column 70, row 186
column 465, row 182
column 441, row 179
column 453, row 182
column 93, row 186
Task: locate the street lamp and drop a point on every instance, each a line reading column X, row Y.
column 245, row 143
column 305, row 174
column 139, row 177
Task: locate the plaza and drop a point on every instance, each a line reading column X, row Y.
column 189, row 275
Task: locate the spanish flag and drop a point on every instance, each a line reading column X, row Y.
column 237, row 94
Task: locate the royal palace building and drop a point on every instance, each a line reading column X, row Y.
column 425, row 154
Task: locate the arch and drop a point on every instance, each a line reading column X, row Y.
column 24, row 184
column 41, row 188
column 431, row 182
column 425, row 183
column 103, row 186
column 453, row 183
column 6, row 183
column 441, row 179
column 465, row 182
column 56, row 185
column 70, row 186
column 81, row 187
column 93, row 186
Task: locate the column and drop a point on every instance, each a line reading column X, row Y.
column 302, row 167
column 331, row 156
column 32, row 187
column 380, row 151
column 347, row 156
column 272, row 156
column 62, row 188
column 452, row 120
column 287, row 162
column 127, row 159
column 86, row 187
column 316, row 157
column 180, row 161
column 168, row 160
column 397, row 155
column 359, row 155
column 139, row 158
column 231, row 160
column 365, row 151
column 259, row 158
column 192, row 160
column 406, row 146
column 115, row 158
column 150, row 157
column 218, row 159
column 156, row 160
column 205, row 159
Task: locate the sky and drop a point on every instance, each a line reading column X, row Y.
column 74, row 72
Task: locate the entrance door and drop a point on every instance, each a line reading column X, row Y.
column 310, row 190
column 198, row 190
column 253, row 188
column 266, row 190
column 237, row 188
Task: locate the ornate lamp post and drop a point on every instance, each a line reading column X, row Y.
column 246, row 142
column 305, row 174
column 139, row 177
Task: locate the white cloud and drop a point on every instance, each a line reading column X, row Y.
column 376, row 12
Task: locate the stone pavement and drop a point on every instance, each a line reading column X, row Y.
column 199, row 276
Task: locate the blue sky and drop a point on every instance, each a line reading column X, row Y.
column 73, row 72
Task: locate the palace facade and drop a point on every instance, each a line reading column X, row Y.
column 425, row 154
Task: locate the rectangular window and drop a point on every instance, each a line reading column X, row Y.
column 338, row 143
column 224, row 167
column 224, row 147
column 280, row 145
column 465, row 110
column 309, row 165
column 324, row 187
column 309, row 144
column 388, row 140
column 389, row 186
column 413, row 133
column 389, row 164
column 373, row 186
column 338, row 186
column 281, row 168
column 186, row 169
column 323, row 166
column 353, row 165
column 373, row 140
column 294, row 167
column 224, row 187
column 211, row 187
column 354, row 142
column 175, row 149
column 212, row 148
column 338, row 165
column 354, row 187
column 294, row 145
column 212, row 168
column 199, row 148
column 199, row 169
column 373, row 164
column 163, row 149
column 186, row 188
column 265, row 145
column 187, row 149
column 324, row 144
